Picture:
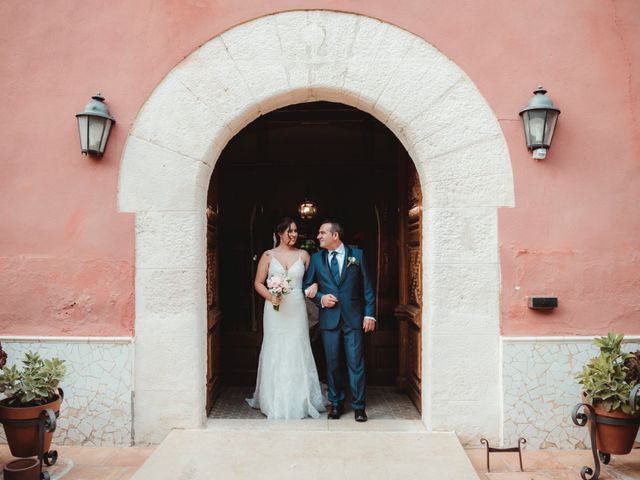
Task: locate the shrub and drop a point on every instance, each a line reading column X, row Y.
column 36, row 384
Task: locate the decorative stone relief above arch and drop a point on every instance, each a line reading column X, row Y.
column 428, row 102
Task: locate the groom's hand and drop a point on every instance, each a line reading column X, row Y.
column 368, row 325
column 312, row 291
column 328, row 301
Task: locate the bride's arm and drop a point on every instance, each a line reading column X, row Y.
column 305, row 259
column 312, row 290
column 261, row 277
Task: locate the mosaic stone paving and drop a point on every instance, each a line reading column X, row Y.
column 382, row 403
column 97, row 403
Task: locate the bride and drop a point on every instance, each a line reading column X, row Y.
column 287, row 386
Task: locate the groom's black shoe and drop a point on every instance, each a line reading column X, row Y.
column 335, row 412
column 360, row 415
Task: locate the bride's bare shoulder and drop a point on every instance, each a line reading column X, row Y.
column 266, row 256
column 304, row 255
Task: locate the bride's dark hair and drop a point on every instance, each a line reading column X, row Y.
column 284, row 224
column 281, row 227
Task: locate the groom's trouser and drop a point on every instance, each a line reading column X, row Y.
column 354, row 355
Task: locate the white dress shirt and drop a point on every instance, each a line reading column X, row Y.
column 340, row 257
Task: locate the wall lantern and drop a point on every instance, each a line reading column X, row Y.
column 539, row 117
column 307, row 210
column 94, row 125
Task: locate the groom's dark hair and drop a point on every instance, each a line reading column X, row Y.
column 336, row 228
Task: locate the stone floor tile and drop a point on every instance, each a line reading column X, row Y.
column 281, row 455
column 85, row 455
column 376, row 425
column 99, row 472
column 552, row 465
column 308, row 424
column 130, row 457
column 112, row 463
column 382, row 403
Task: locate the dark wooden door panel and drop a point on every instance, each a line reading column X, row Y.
column 214, row 314
column 241, row 351
column 409, row 310
column 214, row 344
column 382, row 358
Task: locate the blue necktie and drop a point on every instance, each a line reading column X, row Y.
column 335, row 269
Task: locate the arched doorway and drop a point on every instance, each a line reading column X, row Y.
column 441, row 119
column 264, row 173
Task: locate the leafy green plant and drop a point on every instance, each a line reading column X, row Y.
column 609, row 377
column 309, row 245
column 36, row 384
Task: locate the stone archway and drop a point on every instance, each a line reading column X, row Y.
column 428, row 102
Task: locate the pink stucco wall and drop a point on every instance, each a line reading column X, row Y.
column 67, row 255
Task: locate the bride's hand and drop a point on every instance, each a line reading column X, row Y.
column 275, row 299
column 312, row 291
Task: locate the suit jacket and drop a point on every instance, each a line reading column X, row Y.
column 354, row 292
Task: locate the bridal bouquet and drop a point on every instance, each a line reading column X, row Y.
column 279, row 285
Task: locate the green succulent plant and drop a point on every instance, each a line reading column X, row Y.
column 36, row 384
column 610, row 376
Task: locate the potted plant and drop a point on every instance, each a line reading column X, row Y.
column 3, row 357
column 607, row 381
column 29, row 391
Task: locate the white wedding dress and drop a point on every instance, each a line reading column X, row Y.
column 287, row 386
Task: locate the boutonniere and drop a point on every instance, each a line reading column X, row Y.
column 352, row 261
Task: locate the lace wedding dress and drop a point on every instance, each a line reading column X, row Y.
column 287, row 385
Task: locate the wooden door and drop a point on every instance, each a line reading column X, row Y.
column 214, row 315
column 409, row 310
column 381, row 354
column 249, row 237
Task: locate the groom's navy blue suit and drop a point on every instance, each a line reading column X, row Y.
column 356, row 300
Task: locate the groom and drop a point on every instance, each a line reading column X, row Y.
column 347, row 304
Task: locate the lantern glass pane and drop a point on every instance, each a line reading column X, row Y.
column 105, row 136
column 536, row 127
column 525, row 124
column 96, row 130
column 82, row 128
column 552, row 118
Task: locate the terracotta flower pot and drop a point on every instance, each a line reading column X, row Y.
column 616, row 439
column 23, row 439
column 23, row 469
